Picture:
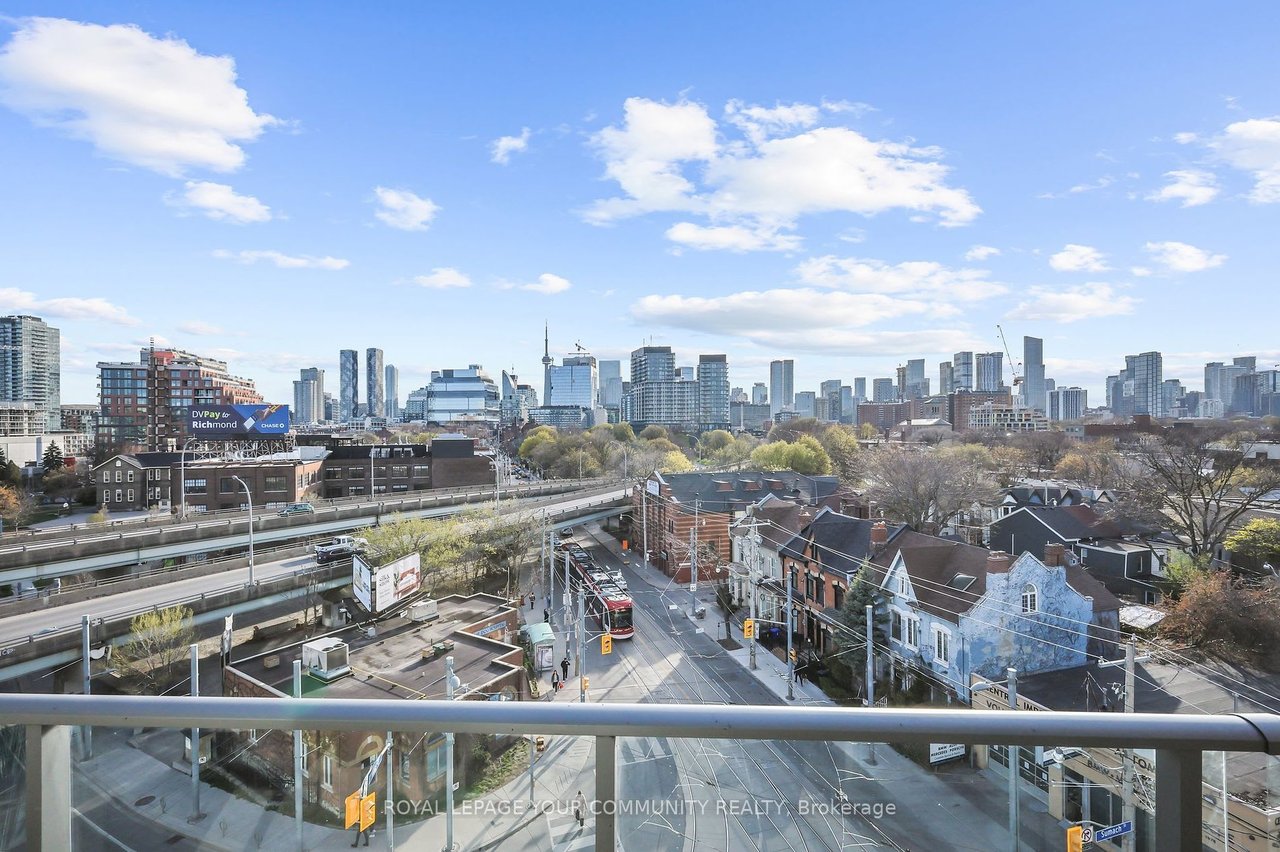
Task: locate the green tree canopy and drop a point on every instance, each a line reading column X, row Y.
column 841, row 446
column 52, row 459
column 158, row 641
column 648, row 433
column 1257, row 542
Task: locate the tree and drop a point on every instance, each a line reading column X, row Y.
column 1220, row 615
column 1256, row 542
column 648, row 433
column 536, row 438
column 868, row 432
column 158, row 641
column 675, row 462
column 790, row 430
column 52, row 459
column 1010, row 464
column 1096, row 465
column 501, row 544
column 851, row 641
column 805, row 456
column 841, row 446
column 924, row 489
column 1044, row 449
column 1197, row 486
column 713, row 442
column 15, row 507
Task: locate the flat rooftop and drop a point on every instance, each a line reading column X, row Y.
column 391, row 664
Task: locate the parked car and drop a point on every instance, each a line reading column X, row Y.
column 298, row 509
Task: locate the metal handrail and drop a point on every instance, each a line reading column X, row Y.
column 1243, row 732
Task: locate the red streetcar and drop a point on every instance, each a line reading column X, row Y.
column 607, row 598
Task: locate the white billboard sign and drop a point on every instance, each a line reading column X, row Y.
column 379, row 589
column 362, row 582
column 942, row 752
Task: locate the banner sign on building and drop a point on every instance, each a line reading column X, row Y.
column 942, row 752
column 379, row 589
column 237, row 421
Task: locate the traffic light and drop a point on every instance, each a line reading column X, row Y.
column 606, row 644
column 792, row 654
column 748, row 628
column 368, row 812
column 1075, row 839
column 540, row 743
column 586, row 683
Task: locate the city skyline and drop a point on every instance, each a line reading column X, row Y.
column 667, row 201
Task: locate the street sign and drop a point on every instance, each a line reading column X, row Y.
column 1113, row 831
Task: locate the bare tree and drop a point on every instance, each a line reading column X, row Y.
column 925, row 489
column 1197, row 486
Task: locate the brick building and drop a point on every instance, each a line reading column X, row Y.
column 273, row 481
column 449, row 461
column 406, row 660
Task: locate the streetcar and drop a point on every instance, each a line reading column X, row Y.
column 606, row 596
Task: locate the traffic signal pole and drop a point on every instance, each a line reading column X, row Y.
column 791, row 653
column 582, row 646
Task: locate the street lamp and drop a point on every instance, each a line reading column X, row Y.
column 451, row 682
column 1011, row 685
column 182, row 475
column 248, row 496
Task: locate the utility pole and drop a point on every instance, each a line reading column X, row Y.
column 754, row 580
column 195, row 739
column 1014, row 759
column 582, row 645
column 387, row 802
column 788, row 577
column 644, row 523
column 297, row 760
column 449, row 678
column 693, row 570
column 871, row 675
column 1131, row 659
column 86, row 733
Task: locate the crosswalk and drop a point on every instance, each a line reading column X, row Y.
column 567, row 835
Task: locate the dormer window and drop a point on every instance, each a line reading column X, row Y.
column 1030, row 598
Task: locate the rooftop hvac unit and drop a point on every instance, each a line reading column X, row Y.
column 425, row 610
column 326, row 659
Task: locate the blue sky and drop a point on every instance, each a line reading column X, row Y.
column 849, row 187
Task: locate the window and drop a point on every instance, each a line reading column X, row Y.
column 913, row 632
column 1030, row 598
column 436, row 757
column 895, row 625
column 195, row 486
column 902, row 584
column 333, row 473
column 326, row 772
column 129, row 477
column 356, row 473
column 941, row 646
column 119, row 496
column 275, row 482
column 399, row 471
column 130, row 495
column 106, row 496
column 421, row 470
column 226, row 485
column 837, row 597
column 355, row 490
column 119, row 477
column 400, row 486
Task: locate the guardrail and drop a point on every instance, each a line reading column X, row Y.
column 1178, row 740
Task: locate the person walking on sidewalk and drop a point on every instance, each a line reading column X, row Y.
column 580, row 809
column 555, row 680
column 564, row 667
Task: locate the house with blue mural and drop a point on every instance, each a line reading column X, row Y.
column 956, row 610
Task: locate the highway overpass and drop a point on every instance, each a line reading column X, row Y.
column 94, row 548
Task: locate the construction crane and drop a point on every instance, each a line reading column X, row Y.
column 1013, row 365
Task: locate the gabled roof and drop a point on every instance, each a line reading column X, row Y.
column 733, row 490
column 149, row 460
column 777, row 521
column 841, row 543
column 948, row 577
column 1073, row 523
column 1089, row 586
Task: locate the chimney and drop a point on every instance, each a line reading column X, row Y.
column 879, row 537
column 997, row 562
column 1053, row 554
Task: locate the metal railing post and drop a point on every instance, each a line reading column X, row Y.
column 606, row 793
column 48, row 787
column 1178, row 791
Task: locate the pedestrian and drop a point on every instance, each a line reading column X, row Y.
column 580, row 809
column 532, row 598
column 564, row 666
column 555, row 680
column 546, row 616
column 360, row 832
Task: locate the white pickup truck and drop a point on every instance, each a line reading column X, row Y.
column 343, row 545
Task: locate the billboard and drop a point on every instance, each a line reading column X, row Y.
column 379, row 589
column 237, row 421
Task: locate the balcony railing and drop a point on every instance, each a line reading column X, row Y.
column 1178, row 740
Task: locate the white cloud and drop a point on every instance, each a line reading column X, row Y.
column 980, row 253
column 199, row 328
column 152, row 102
column 1078, row 258
column 674, row 158
column 403, row 210
column 1088, row 301
column 282, row 260
column 916, row 278
column 1185, row 138
column 13, row 300
column 1181, row 257
column 737, row 238
column 801, row 320
column 503, row 147
column 219, row 201
column 1192, row 187
column 1101, row 183
column 1140, row 271
column 442, row 278
column 548, row 284
column 1253, row 146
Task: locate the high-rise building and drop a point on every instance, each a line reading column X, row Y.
column 782, row 385
column 611, row 384
column 375, row 376
column 1148, row 373
column 652, row 364
column 759, row 394
column 883, row 390
column 916, row 386
column 31, row 367
column 804, row 403
column 547, row 361
column 348, row 384
column 1067, row 403
column 308, row 396
column 989, row 372
column 391, row 387
column 1171, row 394
column 962, row 365
column 830, row 391
column 144, row 406
column 575, row 382
column 946, row 377
column 860, row 389
column 848, row 407
column 1033, row 390
column 461, row 396
column 330, row 408
column 713, row 392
